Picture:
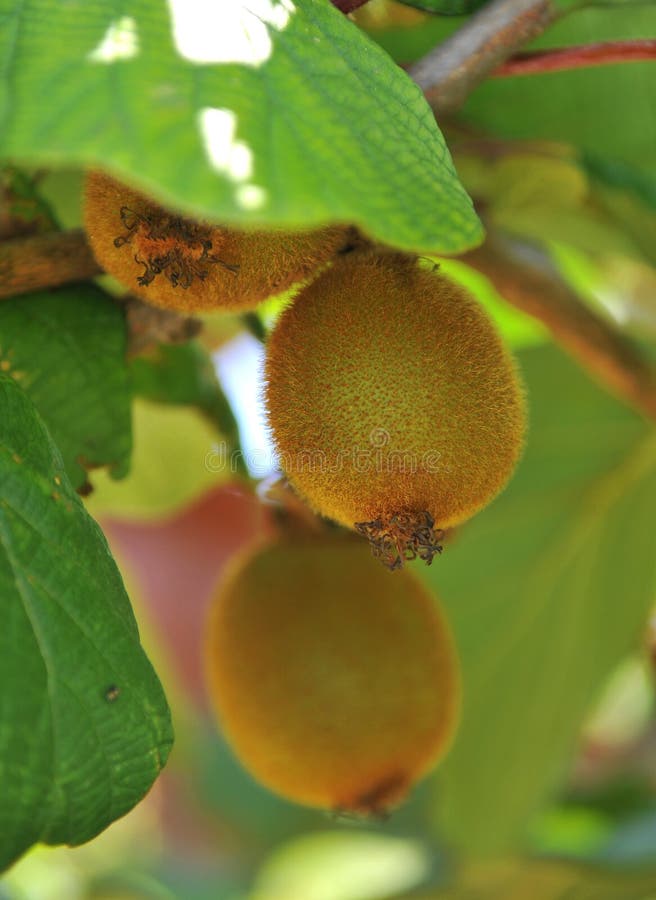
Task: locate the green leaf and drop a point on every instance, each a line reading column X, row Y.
column 619, row 175
column 178, row 456
column 183, row 375
column 545, row 199
column 517, row 328
column 547, row 591
column 275, row 113
column 66, row 349
column 84, row 724
column 22, row 208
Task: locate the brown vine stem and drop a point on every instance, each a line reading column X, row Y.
column 585, row 55
column 149, row 325
column 61, row 257
column 524, row 276
column 45, row 260
column 450, row 72
column 56, row 258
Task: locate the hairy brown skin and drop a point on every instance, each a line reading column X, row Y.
column 393, row 403
column 337, row 685
column 192, row 266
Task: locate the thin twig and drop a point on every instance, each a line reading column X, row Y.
column 450, row 72
column 524, row 276
column 582, row 56
column 44, row 261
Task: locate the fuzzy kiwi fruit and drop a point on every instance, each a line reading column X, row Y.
column 336, row 685
column 394, row 405
column 194, row 266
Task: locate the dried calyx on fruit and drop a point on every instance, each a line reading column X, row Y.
column 336, row 685
column 395, row 407
column 171, row 246
column 176, row 262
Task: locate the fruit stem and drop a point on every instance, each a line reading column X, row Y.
column 292, row 516
column 148, row 325
column 404, row 536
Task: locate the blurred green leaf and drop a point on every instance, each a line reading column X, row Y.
column 622, row 287
column 84, row 724
column 177, row 457
column 184, row 375
column 606, row 110
column 547, row 591
column 283, row 113
column 22, row 207
column 547, row 881
column 602, row 238
column 625, row 707
column 61, row 189
column 633, row 211
column 260, row 818
column 633, row 842
column 616, row 174
column 545, row 197
column 571, row 832
column 66, row 349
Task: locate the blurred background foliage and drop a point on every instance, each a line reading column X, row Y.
column 550, row 788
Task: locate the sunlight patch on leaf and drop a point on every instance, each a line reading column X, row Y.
column 229, row 156
column 207, row 32
column 121, row 41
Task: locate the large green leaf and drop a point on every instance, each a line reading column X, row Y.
column 253, row 111
column 547, row 590
column 84, row 724
column 66, row 349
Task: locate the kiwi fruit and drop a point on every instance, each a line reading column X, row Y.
column 195, row 266
column 336, row 685
column 395, row 408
